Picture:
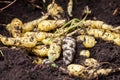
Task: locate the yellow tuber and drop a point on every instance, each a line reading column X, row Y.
column 88, row 41
column 47, row 25
column 85, row 53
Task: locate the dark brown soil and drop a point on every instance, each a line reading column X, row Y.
column 16, row 64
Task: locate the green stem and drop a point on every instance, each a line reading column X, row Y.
column 73, row 25
column 77, row 24
column 75, row 19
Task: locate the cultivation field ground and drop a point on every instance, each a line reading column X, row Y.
column 16, row 63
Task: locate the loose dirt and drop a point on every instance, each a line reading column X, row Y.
column 16, row 64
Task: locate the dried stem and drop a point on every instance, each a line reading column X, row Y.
column 7, row 6
column 7, row 2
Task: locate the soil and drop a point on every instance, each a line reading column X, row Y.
column 16, row 63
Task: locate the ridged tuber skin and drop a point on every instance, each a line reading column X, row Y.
column 95, row 32
column 85, row 53
column 69, row 41
column 54, row 52
column 27, row 42
column 41, row 51
column 42, row 35
column 38, row 35
column 68, row 56
column 55, row 10
column 91, row 62
column 106, row 35
column 88, row 41
column 70, row 7
column 29, row 26
column 93, row 74
column 15, row 27
column 48, row 25
column 68, row 46
column 38, row 61
column 51, row 51
column 116, row 39
column 103, row 72
column 97, row 24
column 76, row 69
column 87, row 72
column 47, row 41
